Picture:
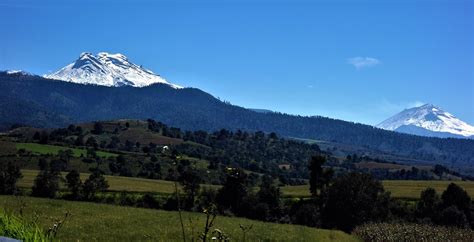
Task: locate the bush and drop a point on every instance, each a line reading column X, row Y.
column 354, row 199
column 46, row 184
column 306, row 213
column 452, row 216
column 9, row 175
column 411, row 232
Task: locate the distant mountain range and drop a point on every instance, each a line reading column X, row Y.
column 107, row 69
column 108, row 86
column 428, row 120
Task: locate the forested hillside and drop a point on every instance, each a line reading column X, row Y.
column 35, row 101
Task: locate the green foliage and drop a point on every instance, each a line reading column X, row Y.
column 411, row 232
column 14, row 227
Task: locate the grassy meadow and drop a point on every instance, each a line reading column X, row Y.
column 100, row 222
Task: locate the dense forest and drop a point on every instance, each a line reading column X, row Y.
column 33, row 100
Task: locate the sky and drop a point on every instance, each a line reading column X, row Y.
column 361, row 61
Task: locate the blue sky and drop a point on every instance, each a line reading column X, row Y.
column 361, row 61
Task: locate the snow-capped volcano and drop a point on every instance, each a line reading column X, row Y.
column 107, row 69
column 428, row 120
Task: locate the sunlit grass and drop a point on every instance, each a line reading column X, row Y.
column 100, row 222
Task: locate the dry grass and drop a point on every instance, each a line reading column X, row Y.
column 398, row 188
column 411, row 232
column 116, row 183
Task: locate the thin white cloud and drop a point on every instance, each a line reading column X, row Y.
column 363, row 62
column 387, row 107
column 415, row 104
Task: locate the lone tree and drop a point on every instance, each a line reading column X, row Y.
column 46, row 184
column 354, row 199
column 318, row 177
column 270, row 195
column 190, row 180
column 98, row 128
column 428, row 205
column 456, row 196
column 9, row 175
column 74, row 184
column 232, row 194
column 95, row 183
column 456, row 205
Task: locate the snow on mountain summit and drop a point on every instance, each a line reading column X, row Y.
column 107, row 69
column 428, row 120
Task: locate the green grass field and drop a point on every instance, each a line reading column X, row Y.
column 99, row 222
column 54, row 149
column 398, row 188
column 116, row 183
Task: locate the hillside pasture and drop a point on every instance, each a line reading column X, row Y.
column 43, row 149
column 100, row 222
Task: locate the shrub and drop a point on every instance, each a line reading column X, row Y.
column 9, row 175
column 354, row 199
column 452, row 216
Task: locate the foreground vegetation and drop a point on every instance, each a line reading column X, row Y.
column 248, row 171
column 13, row 227
column 411, row 232
column 99, row 222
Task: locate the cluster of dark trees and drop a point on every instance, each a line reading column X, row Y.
column 255, row 151
column 341, row 202
column 454, row 207
column 403, row 174
column 47, row 183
